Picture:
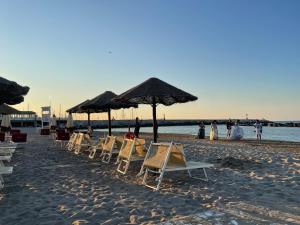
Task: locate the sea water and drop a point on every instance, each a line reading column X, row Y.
column 269, row 133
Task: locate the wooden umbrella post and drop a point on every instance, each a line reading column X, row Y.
column 109, row 122
column 89, row 120
column 154, row 121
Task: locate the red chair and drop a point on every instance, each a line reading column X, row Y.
column 129, row 135
column 62, row 138
column 2, row 136
column 45, row 131
column 19, row 137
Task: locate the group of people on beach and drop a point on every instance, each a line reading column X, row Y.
column 234, row 131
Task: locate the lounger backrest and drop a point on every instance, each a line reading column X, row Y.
column 101, row 142
column 79, row 139
column 73, row 138
column 177, row 155
column 140, row 148
column 87, row 139
column 109, row 143
column 119, row 142
column 127, row 148
column 157, row 155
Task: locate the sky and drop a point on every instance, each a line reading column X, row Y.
column 237, row 56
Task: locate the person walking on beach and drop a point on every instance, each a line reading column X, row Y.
column 201, row 132
column 137, row 127
column 229, row 125
column 214, row 131
column 258, row 129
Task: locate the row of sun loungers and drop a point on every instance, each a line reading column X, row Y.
column 159, row 158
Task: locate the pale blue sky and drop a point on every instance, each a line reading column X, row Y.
column 237, row 56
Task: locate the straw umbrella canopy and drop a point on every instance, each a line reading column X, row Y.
column 11, row 92
column 5, row 109
column 153, row 92
column 70, row 121
column 104, row 103
column 78, row 109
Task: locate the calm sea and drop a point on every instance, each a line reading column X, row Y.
column 269, row 133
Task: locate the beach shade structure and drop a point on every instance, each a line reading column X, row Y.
column 11, row 93
column 6, row 109
column 153, row 92
column 104, row 103
column 70, row 121
column 78, row 109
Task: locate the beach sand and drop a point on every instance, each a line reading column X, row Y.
column 252, row 183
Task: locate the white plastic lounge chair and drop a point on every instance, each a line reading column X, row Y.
column 167, row 157
column 108, row 149
column 131, row 150
column 7, row 151
column 96, row 147
column 4, row 170
column 83, row 141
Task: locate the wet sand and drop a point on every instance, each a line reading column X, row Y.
column 252, row 183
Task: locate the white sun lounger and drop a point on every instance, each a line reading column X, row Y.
column 167, row 157
column 4, row 170
column 131, row 150
column 83, row 141
column 108, row 149
column 96, row 147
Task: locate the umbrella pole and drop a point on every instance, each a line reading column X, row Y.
column 109, row 123
column 154, row 122
column 89, row 121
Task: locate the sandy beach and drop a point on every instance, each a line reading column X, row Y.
column 252, row 183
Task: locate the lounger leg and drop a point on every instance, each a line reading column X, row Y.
column 156, row 188
column 93, row 153
column 119, row 169
column 1, row 182
column 200, row 178
column 106, row 157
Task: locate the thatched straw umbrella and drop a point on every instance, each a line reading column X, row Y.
column 153, row 92
column 78, row 109
column 5, row 110
column 11, row 92
column 104, row 103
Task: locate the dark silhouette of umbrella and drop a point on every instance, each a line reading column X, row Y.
column 104, row 103
column 153, row 92
column 78, row 109
column 11, row 92
column 5, row 109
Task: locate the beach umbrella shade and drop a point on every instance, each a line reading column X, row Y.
column 69, row 121
column 104, row 103
column 5, row 109
column 153, row 92
column 11, row 92
column 5, row 121
column 78, row 109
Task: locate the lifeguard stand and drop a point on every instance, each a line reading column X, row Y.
column 46, row 116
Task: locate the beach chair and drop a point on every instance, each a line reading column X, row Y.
column 168, row 157
column 83, row 141
column 131, row 150
column 96, row 147
column 108, row 149
column 7, row 151
column 4, row 170
column 71, row 143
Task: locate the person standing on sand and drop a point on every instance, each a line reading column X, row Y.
column 214, row 131
column 137, row 127
column 258, row 129
column 229, row 125
column 201, row 132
